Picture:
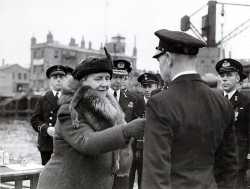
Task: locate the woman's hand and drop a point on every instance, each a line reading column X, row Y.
column 134, row 128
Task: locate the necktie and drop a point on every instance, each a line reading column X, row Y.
column 226, row 96
column 57, row 95
column 115, row 95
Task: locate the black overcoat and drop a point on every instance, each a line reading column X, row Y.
column 185, row 125
column 241, row 108
column 44, row 116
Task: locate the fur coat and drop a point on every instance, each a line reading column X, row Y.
column 88, row 135
column 102, row 113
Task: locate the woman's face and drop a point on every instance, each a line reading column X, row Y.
column 98, row 81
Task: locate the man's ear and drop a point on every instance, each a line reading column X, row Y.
column 237, row 77
column 169, row 59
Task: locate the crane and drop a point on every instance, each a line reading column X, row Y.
column 209, row 24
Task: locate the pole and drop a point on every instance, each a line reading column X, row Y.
column 211, row 24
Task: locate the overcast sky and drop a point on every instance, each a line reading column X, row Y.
column 96, row 19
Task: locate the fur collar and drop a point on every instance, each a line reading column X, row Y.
column 100, row 112
column 69, row 88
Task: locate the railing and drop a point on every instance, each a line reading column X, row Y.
column 18, row 107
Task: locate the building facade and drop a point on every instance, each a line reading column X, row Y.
column 44, row 55
column 14, row 79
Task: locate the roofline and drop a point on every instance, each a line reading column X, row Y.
column 11, row 65
column 93, row 51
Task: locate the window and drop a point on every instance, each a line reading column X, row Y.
column 19, row 76
column 34, row 69
column 56, row 54
column 25, row 76
column 42, row 53
column 34, row 54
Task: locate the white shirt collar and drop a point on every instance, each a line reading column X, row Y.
column 184, row 73
column 54, row 93
column 230, row 94
column 145, row 100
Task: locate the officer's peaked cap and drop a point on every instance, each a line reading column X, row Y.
column 177, row 42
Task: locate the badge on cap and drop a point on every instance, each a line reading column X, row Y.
column 146, row 77
column 226, row 64
column 121, row 65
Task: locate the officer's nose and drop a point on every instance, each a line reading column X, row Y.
column 224, row 78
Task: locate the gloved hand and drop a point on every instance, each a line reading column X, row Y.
column 51, row 131
column 134, row 128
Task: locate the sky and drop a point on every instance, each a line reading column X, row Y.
column 98, row 20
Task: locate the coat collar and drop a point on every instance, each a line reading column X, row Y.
column 94, row 108
column 51, row 98
column 184, row 73
column 186, row 77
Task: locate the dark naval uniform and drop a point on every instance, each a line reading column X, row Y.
column 129, row 104
column 241, row 107
column 149, row 82
column 182, row 136
column 44, row 116
column 137, row 147
column 188, row 132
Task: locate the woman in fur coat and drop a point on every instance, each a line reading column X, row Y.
column 90, row 131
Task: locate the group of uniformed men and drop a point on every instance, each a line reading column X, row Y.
column 190, row 138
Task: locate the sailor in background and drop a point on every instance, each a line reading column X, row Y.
column 44, row 116
column 231, row 74
column 149, row 82
column 128, row 102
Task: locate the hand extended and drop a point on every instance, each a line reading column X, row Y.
column 134, row 128
column 51, row 131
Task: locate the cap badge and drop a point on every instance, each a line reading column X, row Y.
column 146, row 77
column 121, row 65
column 226, row 64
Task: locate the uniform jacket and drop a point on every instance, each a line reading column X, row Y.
column 44, row 116
column 129, row 104
column 141, row 108
column 241, row 107
column 183, row 139
column 87, row 135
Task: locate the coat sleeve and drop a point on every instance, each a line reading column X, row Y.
column 37, row 120
column 87, row 141
column 226, row 161
column 157, row 147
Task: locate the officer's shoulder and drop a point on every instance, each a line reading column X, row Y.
column 159, row 96
column 46, row 94
column 154, row 92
